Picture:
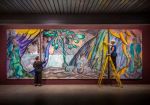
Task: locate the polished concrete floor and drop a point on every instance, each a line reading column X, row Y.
column 74, row 95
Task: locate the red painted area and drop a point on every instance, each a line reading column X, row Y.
column 146, row 52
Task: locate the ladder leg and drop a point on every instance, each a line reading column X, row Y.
column 102, row 71
column 117, row 77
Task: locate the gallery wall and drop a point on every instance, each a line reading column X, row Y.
column 3, row 54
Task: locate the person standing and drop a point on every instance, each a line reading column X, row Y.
column 38, row 71
column 113, row 52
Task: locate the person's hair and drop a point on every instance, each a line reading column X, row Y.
column 112, row 42
column 37, row 58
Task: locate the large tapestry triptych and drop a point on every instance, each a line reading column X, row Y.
column 74, row 53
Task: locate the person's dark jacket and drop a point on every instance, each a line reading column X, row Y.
column 38, row 66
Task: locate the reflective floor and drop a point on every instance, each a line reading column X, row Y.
column 74, row 95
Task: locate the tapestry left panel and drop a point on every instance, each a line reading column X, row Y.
column 23, row 45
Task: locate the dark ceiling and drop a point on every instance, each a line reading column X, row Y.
column 74, row 11
column 73, row 6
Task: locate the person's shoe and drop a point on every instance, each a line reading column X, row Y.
column 35, row 84
column 39, row 84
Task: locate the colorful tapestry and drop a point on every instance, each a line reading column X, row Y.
column 73, row 53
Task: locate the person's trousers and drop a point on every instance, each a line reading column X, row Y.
column 38, row 78
column 114, row 60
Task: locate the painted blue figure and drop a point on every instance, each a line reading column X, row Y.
column 135, row 50
column 15, row 60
